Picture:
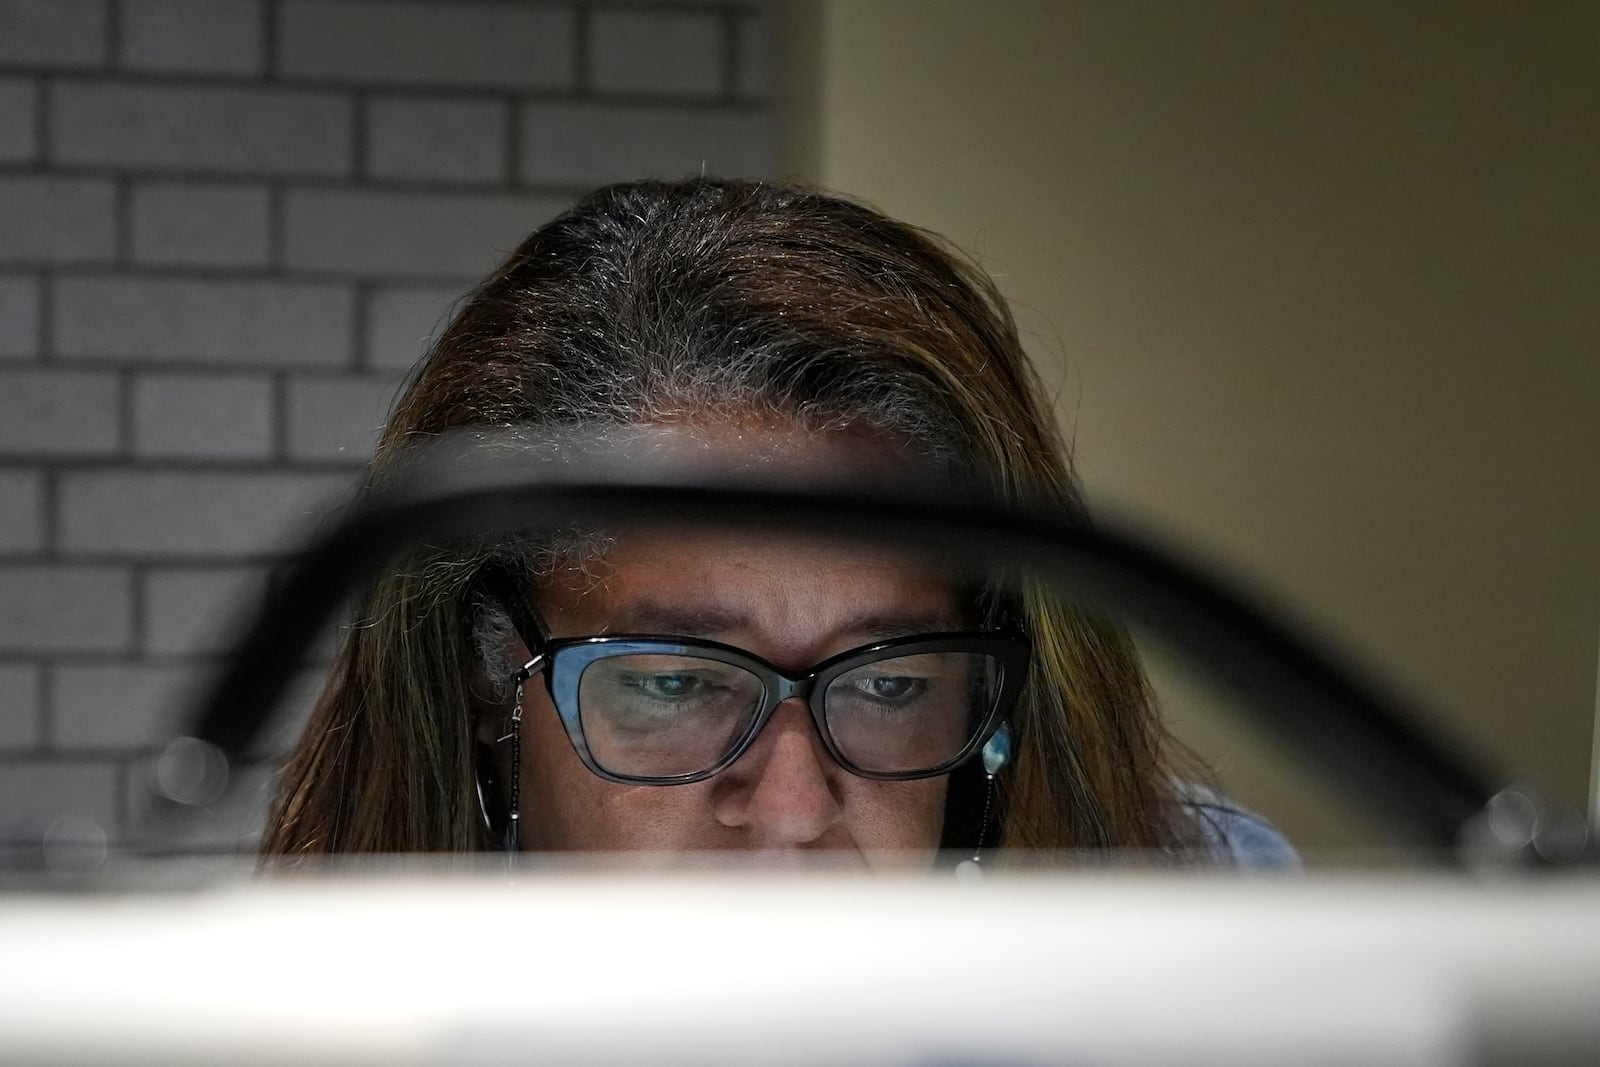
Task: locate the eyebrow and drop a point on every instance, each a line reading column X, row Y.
column 650, row 617
column 882, row 627
column 668, row 619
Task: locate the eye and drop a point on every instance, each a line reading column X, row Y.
column 890, row 688
column 666, row 686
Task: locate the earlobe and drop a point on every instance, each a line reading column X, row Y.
column 489, row 717
column 480, row 732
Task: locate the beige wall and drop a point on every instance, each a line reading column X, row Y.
column 1317, row 287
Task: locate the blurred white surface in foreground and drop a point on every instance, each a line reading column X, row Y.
column 749, row 969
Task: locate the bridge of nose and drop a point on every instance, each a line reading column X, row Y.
column 789, row 688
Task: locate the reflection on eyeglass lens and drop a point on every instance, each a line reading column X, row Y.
column 650, row 716
column 655, row 716
column 909, row 713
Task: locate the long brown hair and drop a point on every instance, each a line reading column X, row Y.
column 654, row 301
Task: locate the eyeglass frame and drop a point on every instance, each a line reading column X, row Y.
column 1009, row 646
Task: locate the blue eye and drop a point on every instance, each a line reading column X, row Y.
column 666, row 686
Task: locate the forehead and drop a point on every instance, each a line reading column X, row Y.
column 777, row 594
column 775, row 445
column 782, row 596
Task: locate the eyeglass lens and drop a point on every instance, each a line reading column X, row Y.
column 657, row 716
column 650, row 716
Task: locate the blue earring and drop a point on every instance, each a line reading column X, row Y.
column 997, row 750
column 996, row 754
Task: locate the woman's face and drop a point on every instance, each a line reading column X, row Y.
column 790, row 602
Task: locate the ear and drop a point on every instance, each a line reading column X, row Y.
column 497, row 648
column 492, row 718
column 485, row 724
column 489, row 698
column 487, row 714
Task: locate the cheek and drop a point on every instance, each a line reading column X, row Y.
column 556, row 786
column 894, row 815
column 567, row 807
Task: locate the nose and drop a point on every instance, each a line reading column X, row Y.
column 783, row 792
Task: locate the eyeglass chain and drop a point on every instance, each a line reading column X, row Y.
column 514, row 830
column 512, row 843
column 996, row 754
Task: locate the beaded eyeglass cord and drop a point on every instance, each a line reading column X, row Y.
column 513, row 832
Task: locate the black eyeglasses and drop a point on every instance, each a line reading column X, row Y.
column 662, row 710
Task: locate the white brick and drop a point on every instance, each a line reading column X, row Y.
column 119, row 705
column 19, row 705
column 33, row 795
column 656, row 52
column 19, row 318
column 438, row 139
column 337, row 418
column 408, row 234
column 246, row 131
column 197, row 610
column 57, row 220
column 21, row 511
column 47, row 608
column 53, row 33
column 402, row 323
column 460, row 43
column 591, row 144
column 192, row 514
column 200, row 36
column 200, row 225
column 202, row 416
column 18, row 144
column 279, row 324
column 757, row 58
column 60, row 413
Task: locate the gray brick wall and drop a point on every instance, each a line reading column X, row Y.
column 227, row 229
column 438, row 138
column 19, row 317
column 192, row 36
column 19, row 140
column 425, row 234
column 398, row 42
column 63, row 34
column 21, row 512
column 203, row 416
column 57, row 220
column 224, row 130
column 194, row 224
column 128, row 318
